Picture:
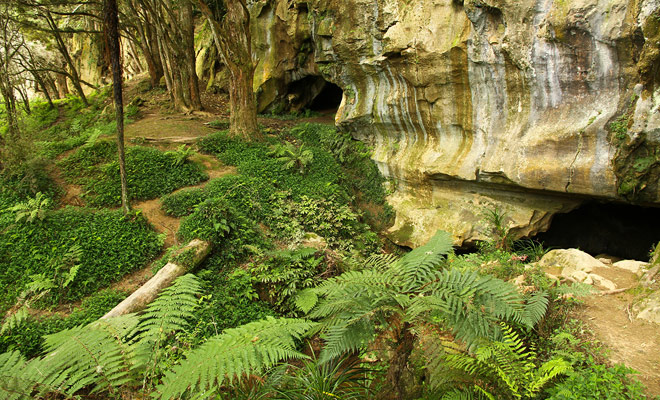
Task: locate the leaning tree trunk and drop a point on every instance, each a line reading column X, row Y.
column 61, row 46
column 233, row 40
column 163, row 278
column 111, row 22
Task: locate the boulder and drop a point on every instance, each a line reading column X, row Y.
column 636, row 267
column 577, row 266
column 649, row 308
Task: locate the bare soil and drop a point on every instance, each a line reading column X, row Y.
column 632, row 342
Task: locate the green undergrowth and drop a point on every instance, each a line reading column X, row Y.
column 92, row 248
column 325, row 195
column 151, row 172
column 28, row 336
column 70, row 124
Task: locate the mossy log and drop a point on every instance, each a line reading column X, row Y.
column 185, row 260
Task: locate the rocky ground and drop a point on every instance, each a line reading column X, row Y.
column 624, row 310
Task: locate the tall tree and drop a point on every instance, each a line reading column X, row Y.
column 11, row 44
column 230, row 25
column 111, row 35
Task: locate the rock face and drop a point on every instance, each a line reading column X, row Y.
column 525, row 106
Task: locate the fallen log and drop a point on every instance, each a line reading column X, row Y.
column 182, row 262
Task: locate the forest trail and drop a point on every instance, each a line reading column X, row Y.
column 631, row 341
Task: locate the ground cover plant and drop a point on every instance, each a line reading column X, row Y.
column 152, row 173
column 108, row 244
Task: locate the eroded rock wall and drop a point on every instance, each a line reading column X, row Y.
column 496, row 103
column 527, row 106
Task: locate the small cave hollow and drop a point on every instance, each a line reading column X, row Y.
column 314, row 93
column 619, row 230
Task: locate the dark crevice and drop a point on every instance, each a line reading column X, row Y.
column 620, row 230
column 314, row 93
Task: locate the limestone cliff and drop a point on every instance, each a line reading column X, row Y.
column 529, row 106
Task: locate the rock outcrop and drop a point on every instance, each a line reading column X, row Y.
column 526, row 106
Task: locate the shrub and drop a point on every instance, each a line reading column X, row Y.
column 183, row 202
column 598, row 382
column 230, row 299
column 284, row 273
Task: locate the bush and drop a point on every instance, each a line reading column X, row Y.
column 183, row 202
column 598, row 382
column 282, row 274
column 230, row 299
column 111, row 244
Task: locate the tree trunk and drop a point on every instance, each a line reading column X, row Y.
column 75, row 78
column 62, row 86
column 111, row 23
column 188, row 30
column 44, row 88
column 399, row 362
column 164, row 278
column 232, row 38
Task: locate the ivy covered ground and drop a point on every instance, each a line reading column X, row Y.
column 302, row 296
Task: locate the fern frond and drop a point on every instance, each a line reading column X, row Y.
column 536, row 307
column 248, row 349
column 96, row 355
column 306, row 300
column 380, row 262
column 419, row 266
column 14, row 320
column 25, row 380
column 172, row 309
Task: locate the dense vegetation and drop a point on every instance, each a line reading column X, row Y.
column 300, row 297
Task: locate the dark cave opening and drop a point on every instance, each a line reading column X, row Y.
column 329, row 98
column 619, row 230
column 314, row 93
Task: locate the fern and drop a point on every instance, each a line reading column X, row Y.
column 248, row 349
column 416, row 292
column 31, row 209
column 105, row 355
column 508, row 365
column 14, row 320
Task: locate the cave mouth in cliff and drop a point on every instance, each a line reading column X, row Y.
column 314, row 93
column 619, row 230
column 328, row 100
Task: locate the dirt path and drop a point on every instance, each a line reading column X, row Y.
column 633, row 342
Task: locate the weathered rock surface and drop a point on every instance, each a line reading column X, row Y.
column 526, row 105
column 649, row 308
column 577, row 266
column 636, row 267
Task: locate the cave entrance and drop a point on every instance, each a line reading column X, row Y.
column 619, row 230
column 314, row 93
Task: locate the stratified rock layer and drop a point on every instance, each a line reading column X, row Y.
column 526, row 106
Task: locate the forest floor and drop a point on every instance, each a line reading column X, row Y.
column 156, row 126
column 632, row 342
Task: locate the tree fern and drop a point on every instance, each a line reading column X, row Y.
column 248, row 349
column 416, row 292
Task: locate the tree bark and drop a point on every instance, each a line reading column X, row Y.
column 61, row 46
column 234, row 43
column 405, row 342
column 111, row 24
column 164, row 278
